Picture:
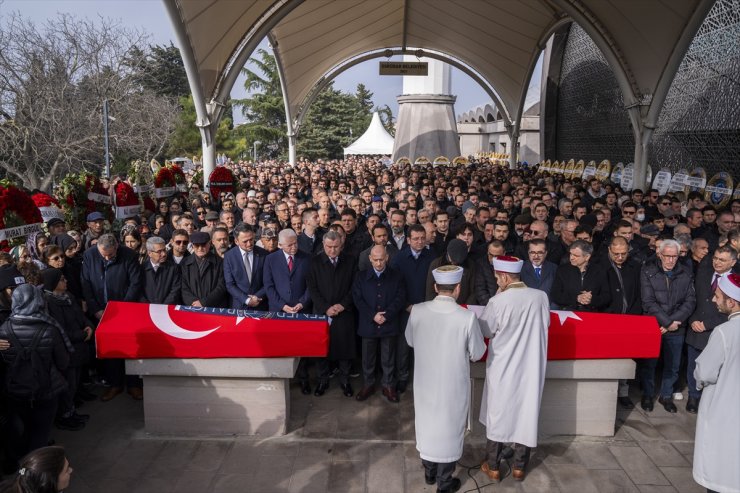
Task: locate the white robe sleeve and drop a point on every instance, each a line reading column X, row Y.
column 409, row 328
column 710, row 361
column 488, row 324
column 476, row 344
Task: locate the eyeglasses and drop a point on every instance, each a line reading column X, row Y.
column 180, row 242
column 200, row 213
column 55, row 258
column 537, row 253
column 159, row 252
column 665, row 203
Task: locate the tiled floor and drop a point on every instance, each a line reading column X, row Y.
column 336, row 444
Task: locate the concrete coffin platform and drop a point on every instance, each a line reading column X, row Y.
column 579, row 398
column 220, row 396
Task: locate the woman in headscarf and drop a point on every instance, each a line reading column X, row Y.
column 65, row 309
column 35, row 243
column 31, row 410
column 20, row 255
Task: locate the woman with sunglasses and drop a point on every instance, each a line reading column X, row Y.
column 71, row 265
column 53, row 257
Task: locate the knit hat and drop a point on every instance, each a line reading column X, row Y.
column 50, row 278
column 457, row 251
column 64, row 241
column 10, row 277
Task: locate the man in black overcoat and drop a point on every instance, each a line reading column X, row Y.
column 330, row 286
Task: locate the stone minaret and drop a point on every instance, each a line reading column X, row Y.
column 426, row 116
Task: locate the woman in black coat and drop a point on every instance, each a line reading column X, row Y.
column 72, row 268
column 31, row 413
column 65, row 309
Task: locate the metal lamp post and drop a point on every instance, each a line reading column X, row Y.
column 254, row 157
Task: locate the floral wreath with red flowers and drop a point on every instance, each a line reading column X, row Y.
column 222, row 179
column 125, row 200
column 48, row 206
column 79, row 195
column 164, row 183
column 179, row 175
column 17, row 209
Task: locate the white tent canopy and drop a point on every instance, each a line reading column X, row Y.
column 376, row 140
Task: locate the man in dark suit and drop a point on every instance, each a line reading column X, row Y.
column 485, row 277
column 284, row 275
column 203, row 275
column 111, row 272
column 706, row 316
column 330, row 283
column 160, row 275
column 380, row 236
column 413, row 264
column 623, row 278
column 243, row 271
column 580, row 285
column 380, row 297
column 538, row 273
column 309, row 241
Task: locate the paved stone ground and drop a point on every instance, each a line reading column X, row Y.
column 336, row 444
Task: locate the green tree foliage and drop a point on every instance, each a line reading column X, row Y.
column 263, row 108
column 334, row 120
column 186, row 141
column 161, row 70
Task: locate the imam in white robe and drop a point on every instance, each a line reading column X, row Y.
column 517, row 321
column 717, row 444
column 445, row 338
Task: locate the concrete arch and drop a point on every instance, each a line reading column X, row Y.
column 490, row 113
column 324, row 81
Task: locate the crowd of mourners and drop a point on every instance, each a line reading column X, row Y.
column 357, row 240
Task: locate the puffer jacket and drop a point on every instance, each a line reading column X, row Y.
column 28, row 316
column 668, row 299
column 51, row 348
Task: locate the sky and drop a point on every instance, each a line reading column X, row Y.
column 151, row 17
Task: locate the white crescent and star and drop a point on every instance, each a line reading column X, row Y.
column 161, row 317
column 565, row 315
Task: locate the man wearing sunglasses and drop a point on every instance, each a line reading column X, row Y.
column 179, row 246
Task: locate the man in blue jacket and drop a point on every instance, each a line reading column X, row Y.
column 112, row 273
column 285, row 274
column 243, row 271
column 413, row 264
column 379, row 294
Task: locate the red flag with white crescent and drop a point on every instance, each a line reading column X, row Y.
column 143, row 330
column 588, row 335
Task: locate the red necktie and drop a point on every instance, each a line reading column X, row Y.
column 714, row 282
column 290, row 263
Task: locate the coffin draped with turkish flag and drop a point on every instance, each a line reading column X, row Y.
column 142, row 330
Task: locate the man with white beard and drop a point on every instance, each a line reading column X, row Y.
column 516, row 321
column 717, row 374
column 445, row 338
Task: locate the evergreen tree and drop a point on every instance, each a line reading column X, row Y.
column 264, row 109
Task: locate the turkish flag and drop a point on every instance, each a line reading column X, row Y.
column 143, row 330
column 587, row 335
